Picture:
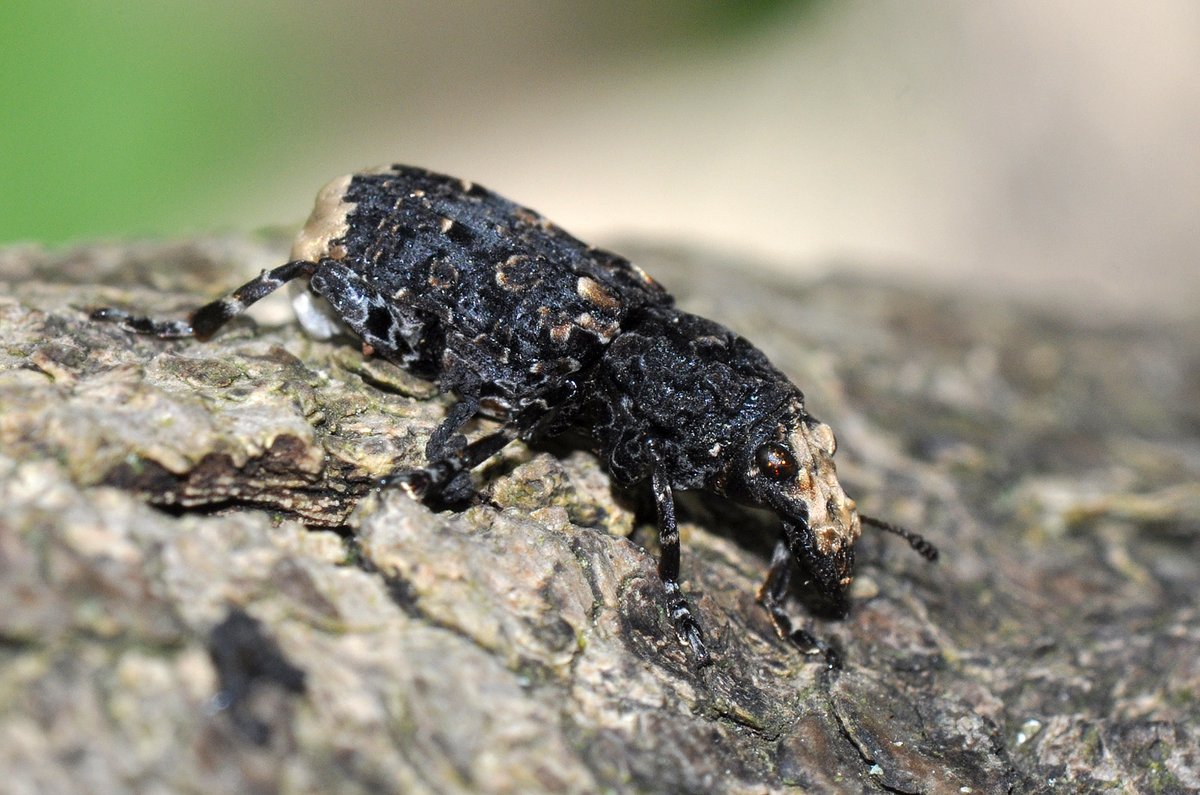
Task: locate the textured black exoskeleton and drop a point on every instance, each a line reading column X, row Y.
column 530, row 326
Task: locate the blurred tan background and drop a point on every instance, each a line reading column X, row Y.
column 1042, row 147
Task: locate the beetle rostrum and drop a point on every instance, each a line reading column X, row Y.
column 526, row 324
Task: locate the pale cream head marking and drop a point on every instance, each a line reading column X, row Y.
column 832, row 516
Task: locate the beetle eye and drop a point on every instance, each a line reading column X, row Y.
column 776, row 461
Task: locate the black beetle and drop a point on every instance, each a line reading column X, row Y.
column 530, row 326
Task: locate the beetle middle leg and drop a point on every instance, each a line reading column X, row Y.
column 206, row 320
column 442, row 480
column 446, row 437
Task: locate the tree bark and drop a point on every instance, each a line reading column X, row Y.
column 202, row 591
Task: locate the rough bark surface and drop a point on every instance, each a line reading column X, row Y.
column 202, row 593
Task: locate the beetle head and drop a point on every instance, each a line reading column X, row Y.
column 787, row 467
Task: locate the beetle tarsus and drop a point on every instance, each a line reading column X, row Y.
column 415, row 483
column 140, row 324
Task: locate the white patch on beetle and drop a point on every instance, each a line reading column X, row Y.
column 318, row 319
column 822, row 436
column 511, row 276
column 561, row 332
column 645, row 277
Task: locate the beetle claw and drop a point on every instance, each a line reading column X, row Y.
column 691, row 634
column 809, row 643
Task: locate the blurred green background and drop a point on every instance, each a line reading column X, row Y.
column 1034, row 146
column 133, row 117
column 121, row 113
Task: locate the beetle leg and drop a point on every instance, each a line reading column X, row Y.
column 773, row 592
column 772, row 595
column 686, row 626
column 206, row 320
column 445, row 441
column 446, row 438
column 442, row 480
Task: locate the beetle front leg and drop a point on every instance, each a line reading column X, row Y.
column 772, row 595
column 686, row 626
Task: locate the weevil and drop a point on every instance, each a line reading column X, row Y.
column 527, row 325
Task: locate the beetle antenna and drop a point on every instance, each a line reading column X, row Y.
column 915, row 540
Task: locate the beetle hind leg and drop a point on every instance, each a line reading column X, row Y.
column 140, row 324
column 206, row 320
column 393, row 330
